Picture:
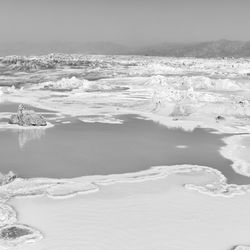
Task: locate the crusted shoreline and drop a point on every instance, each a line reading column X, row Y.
column 65, row 188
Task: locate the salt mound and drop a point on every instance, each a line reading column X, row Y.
column 157, row 81
column 206, row 83
column 67, row 84
column 73, row 83
column 194, row 82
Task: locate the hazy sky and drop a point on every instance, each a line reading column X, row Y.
column 133, row 22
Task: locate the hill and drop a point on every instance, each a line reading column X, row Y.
column 220, row 48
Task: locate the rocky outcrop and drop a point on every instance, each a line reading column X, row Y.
column 27, row 118
column 6, row 179
column 220, row 118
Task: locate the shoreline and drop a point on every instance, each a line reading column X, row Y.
column 232, row 152
column 155, row 193
column 68, row 188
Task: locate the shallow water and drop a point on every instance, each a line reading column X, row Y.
column 77, row 149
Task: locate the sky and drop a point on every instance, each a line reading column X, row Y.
column 128, row 22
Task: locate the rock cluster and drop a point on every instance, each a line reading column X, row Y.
column 26, row 117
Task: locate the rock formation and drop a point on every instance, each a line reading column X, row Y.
column 27, row 118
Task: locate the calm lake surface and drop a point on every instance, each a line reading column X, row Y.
column 78, row 149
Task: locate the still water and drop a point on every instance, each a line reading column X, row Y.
column 77, row 149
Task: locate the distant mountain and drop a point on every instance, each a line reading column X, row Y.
column 107, row 48
column 220, row 48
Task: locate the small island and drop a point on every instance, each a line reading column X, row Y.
column 25, row 117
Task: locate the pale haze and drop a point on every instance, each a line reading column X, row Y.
column 130, row 22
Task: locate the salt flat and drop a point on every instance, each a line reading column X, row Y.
column 167, row 207
column 157, row 214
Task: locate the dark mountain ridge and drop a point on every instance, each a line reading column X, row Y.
column 220, row 48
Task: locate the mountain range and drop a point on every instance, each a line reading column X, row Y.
column 220, row 48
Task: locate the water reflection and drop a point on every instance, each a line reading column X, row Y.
column 27, row 135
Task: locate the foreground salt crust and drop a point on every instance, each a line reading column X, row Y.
column 214, row 184
column 140, row 212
